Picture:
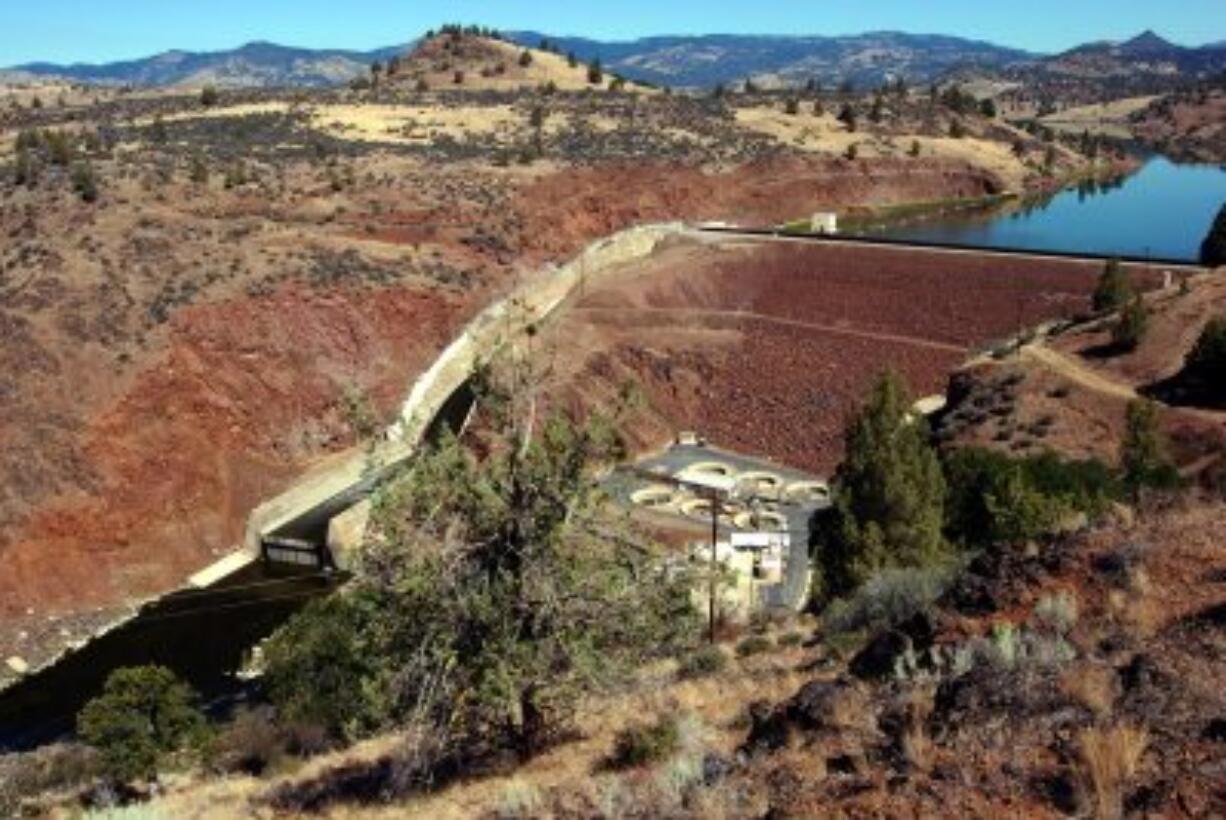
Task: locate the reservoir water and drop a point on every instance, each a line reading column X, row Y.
column 1162, row 211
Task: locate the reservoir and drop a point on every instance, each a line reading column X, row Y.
column 1164, row 210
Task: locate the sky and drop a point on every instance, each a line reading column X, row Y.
column 107, row 30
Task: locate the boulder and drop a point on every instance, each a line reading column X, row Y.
column 17, row 665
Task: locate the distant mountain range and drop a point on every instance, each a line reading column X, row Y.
column 1147, row 53
column 863, row 59
column 253, row 65
column 683, row 61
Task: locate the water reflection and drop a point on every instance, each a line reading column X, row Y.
column 1163, row 210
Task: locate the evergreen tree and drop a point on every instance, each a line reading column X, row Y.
column 1114, row 288
column 595, row 72
column 1143, row 454
column 1129, row 330
column 492, row 593
column 890, row 495
column 847, row 116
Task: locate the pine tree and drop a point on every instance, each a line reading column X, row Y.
column 890, row 495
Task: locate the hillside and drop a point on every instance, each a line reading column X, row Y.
column 256, row 64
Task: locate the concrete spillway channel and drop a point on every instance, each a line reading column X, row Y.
column 203, row 630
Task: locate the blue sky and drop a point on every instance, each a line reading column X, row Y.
column 104, row 30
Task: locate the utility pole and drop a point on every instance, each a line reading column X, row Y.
column 714, row 496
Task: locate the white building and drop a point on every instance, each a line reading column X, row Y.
column 824, row 222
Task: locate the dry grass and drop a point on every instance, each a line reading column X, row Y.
column 1109, row 759
column 1093, row 686
column 826, row 135
column 917, row 746
column 1108, row 118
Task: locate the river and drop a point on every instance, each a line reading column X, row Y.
column 1163, row 211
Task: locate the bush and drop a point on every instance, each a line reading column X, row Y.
column 995, row 499
column 251, row 743
column 209, row 96
column 84, row 182
column 703, row 663
column 753, row 645
column 888, row 598
column 640, row 745
column 317, row 668
column 143, row 715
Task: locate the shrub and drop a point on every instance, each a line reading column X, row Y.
column 209, row 96
column 702, row 663
column 753, row 645
column 251, row 743
column 792, row 106
column 1056, row 613
column 888, row 598
column 317, row 668
column 84, row 182
column 143, row 715
column 995, row 499
column 525, row 58
column 595, row 72
column 789, row 639
column 652, row 743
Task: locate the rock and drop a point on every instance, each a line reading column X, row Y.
column 876, row 660
column 829, row 705
column 17, row 665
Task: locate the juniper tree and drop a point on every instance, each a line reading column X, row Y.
column 493, row 590
column 890, row 494
column 1129, row 330
column 143, row 715
column 1143, row 454
column 1114, row 288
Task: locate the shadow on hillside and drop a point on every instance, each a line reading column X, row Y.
column 1187, row 390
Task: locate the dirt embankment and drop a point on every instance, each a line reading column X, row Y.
column 767, row 347
column 563, row 211
column 247, row 393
